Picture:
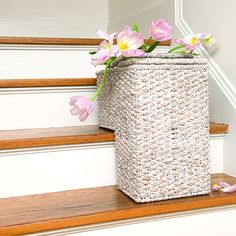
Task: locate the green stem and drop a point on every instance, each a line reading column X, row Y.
column 103, row 80
column 175, row 48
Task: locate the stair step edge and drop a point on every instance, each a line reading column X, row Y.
column 47, row 82
column 40, row 137
column 42, row 212
column 58, row 41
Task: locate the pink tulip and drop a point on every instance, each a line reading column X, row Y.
column 160, row 30
column 108, row 42
column 82, row 107
column 191, row 41
column 224, row 187
column 128, row 42
column 106, row 49
column 209, row 43
column 103, row 55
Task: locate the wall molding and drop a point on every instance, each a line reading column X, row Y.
column 215, row 71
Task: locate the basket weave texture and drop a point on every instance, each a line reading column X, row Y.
column 158, row 108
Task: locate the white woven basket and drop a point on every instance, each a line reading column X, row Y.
column 158, row 107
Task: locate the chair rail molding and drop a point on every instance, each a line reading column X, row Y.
column 215, row 71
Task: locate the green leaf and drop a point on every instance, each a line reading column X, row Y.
column 175, row 48
column 92, row 53
column 135, row 27
column 152, row 47
column 144, row 47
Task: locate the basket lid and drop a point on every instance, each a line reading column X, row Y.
column 159, row 58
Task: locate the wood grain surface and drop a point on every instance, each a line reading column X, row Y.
column 30, row 214
column 58, row 41
column 40, row 137
column 218, row 128
column 51, row 82
column 26, row 138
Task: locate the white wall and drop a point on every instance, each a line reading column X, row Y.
column 54, row 18
column 123, row 13
column 218, row 17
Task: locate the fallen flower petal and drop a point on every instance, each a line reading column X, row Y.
column 230, row 189
column 224, row 185
column 216, row 187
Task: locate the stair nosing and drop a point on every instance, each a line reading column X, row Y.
column 56, row 41
column 76, row 208
column 47, row 82
column 29, row 138
column 64, row 137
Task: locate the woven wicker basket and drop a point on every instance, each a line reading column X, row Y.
column 158, row 107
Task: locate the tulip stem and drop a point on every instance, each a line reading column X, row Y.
column 175, row 48
column 103, row 79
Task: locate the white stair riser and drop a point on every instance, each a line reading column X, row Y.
column 44, row 107
column 54, row 169
column 182, row 224
column 68, row 62
column 58, row 169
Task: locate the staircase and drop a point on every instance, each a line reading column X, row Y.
column 57, row 175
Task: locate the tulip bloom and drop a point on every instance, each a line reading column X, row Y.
column 209, row 42
column 128, row 42
column 82, row 107
column 224, row 187
column 102, row 56
column 191, row 41
column 106, row 49
column 160, row 30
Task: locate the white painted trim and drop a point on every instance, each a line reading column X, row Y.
column 61, row 148
column 37, row 90
column 217, row 136
column 48, row 47
column 71, row 147
column 215, row 71
column 74, row 230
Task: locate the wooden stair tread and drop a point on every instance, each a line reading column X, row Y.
column 50, row 211
column 57, row 41
column 218, row 128
column 50, row 82
column 26, row 138
column 54, row 136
